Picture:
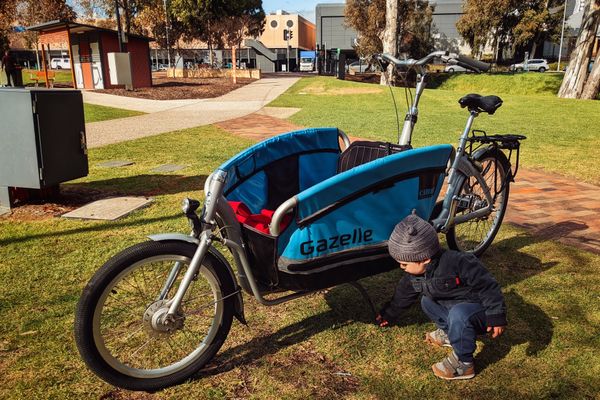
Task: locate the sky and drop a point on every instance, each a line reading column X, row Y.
column 306, row 8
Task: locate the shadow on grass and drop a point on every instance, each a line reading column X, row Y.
column 259, row 347
column 94, row 228
column 145, row 185
column 528, row 322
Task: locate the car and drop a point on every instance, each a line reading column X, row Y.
column 534, row 64
column 360, row 67
column 60, row 63
column 456, row 68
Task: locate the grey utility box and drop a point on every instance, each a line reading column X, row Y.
column 42, row 138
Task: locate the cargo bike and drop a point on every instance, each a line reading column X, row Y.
column 299, row 212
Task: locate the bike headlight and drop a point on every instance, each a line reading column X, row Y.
column 189, row 205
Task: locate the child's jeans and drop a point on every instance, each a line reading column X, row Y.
column 462, row 323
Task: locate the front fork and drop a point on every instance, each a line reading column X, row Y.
column 215, row 189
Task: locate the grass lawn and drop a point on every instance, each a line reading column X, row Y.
column 322, row 346
column 529, row 83
column 95, row 113
column 60, row 76
column 563, row 135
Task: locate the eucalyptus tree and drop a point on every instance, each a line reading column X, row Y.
column 7, row 17
column 574, row 83
column 408, row 29
column 202, row 20
column 520, row 25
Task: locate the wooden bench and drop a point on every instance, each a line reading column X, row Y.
column 37, row 76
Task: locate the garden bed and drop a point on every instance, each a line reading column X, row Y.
column 182, row 88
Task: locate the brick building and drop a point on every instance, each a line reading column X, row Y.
column 88, row 47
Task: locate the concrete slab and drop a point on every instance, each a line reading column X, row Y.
column 169, row 168
column 4, row 210
column 132, row 103
column 278, row 112
column 115, row 163
column 109, row 209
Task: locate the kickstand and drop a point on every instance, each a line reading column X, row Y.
column 365, row 295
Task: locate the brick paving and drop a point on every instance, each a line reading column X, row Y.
column 548, row 205
column 555, row 207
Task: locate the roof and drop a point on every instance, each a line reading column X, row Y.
column 77, row 27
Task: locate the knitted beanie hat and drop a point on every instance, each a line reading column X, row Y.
column 413, row 240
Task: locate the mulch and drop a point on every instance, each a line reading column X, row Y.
column 41, row 206
column 182, row 88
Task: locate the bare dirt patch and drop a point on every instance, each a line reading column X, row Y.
column 322, row 90
column 67, row 200
column 182, row 88
column 364, row 78
column 316, row 372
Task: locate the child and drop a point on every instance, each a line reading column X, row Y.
column 459, row 295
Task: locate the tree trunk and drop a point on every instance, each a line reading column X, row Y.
column 390, row 37
column 533, row 49
column 576, row 75
column 233, row 65
column 592, row 85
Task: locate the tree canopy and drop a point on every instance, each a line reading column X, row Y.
column 367, row 17
column 219, row 22
column 502, row 23
column 7, row 13
column 28, row 13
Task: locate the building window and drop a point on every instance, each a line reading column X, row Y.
column 273, row 24
column 290, row 23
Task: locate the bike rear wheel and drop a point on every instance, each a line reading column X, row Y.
column 476, row 235
column 118, row 327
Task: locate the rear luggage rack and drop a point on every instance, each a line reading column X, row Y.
column 510, row 142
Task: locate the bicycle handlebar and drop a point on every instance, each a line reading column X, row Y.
column 468, row 62
column 461, row 60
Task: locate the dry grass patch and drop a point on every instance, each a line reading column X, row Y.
column 322, row 90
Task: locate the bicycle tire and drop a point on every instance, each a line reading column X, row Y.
column 98, row 345
column 455, row 236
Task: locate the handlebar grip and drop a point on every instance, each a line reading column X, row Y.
column 468, row 62
column 390, row 58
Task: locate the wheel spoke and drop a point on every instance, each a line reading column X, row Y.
column 476, row 234
column 128, row 311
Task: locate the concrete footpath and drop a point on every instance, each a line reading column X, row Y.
column 171, row 115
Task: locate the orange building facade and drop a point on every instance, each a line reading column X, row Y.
column 303, row 32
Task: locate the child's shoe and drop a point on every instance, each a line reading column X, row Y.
column 451, row 368
column 438, row 338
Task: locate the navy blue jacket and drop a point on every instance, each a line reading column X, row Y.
column 450, row 278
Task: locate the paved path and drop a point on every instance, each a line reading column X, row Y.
column 168, row 116
column 550, row 206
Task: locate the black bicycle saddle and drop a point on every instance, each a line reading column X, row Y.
column 479, row 103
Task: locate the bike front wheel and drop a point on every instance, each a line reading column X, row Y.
column 119, row 327
column 476, row 235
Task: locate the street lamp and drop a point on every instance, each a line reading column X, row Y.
column 167, row 36
column 562, row 34
column 119, row 29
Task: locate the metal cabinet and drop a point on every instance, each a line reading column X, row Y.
column 42, row 138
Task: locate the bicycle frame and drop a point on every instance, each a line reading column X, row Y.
column 215, row 206
column 461, row 167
